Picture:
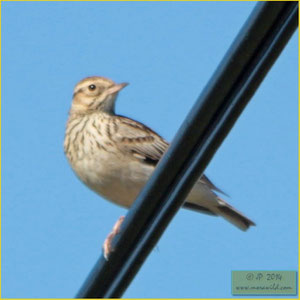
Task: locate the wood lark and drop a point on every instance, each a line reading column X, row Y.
column 114, row 155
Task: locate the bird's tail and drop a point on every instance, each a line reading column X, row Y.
column 232, row 215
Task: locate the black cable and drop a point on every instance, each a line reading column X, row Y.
column 236, row 79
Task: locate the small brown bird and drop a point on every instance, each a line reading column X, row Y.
column 114, row 155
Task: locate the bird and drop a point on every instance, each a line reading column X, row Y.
column 115, row 155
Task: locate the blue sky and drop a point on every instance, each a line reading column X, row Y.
column 53, row 226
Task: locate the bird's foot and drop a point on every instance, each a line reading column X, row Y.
column 107, row 248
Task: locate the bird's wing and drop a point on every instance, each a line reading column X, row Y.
column 207, row 182
column 139, row 141
column 146, row 145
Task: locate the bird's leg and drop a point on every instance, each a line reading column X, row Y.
column 107, row 248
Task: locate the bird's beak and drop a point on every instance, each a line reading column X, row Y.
column 116, row 88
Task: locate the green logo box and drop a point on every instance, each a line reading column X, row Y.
column 263, row 282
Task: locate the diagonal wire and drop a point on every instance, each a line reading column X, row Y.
column 246, row 63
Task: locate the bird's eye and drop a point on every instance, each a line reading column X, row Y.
column 92, row 87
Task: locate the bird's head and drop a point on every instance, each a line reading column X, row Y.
column 95, row 94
